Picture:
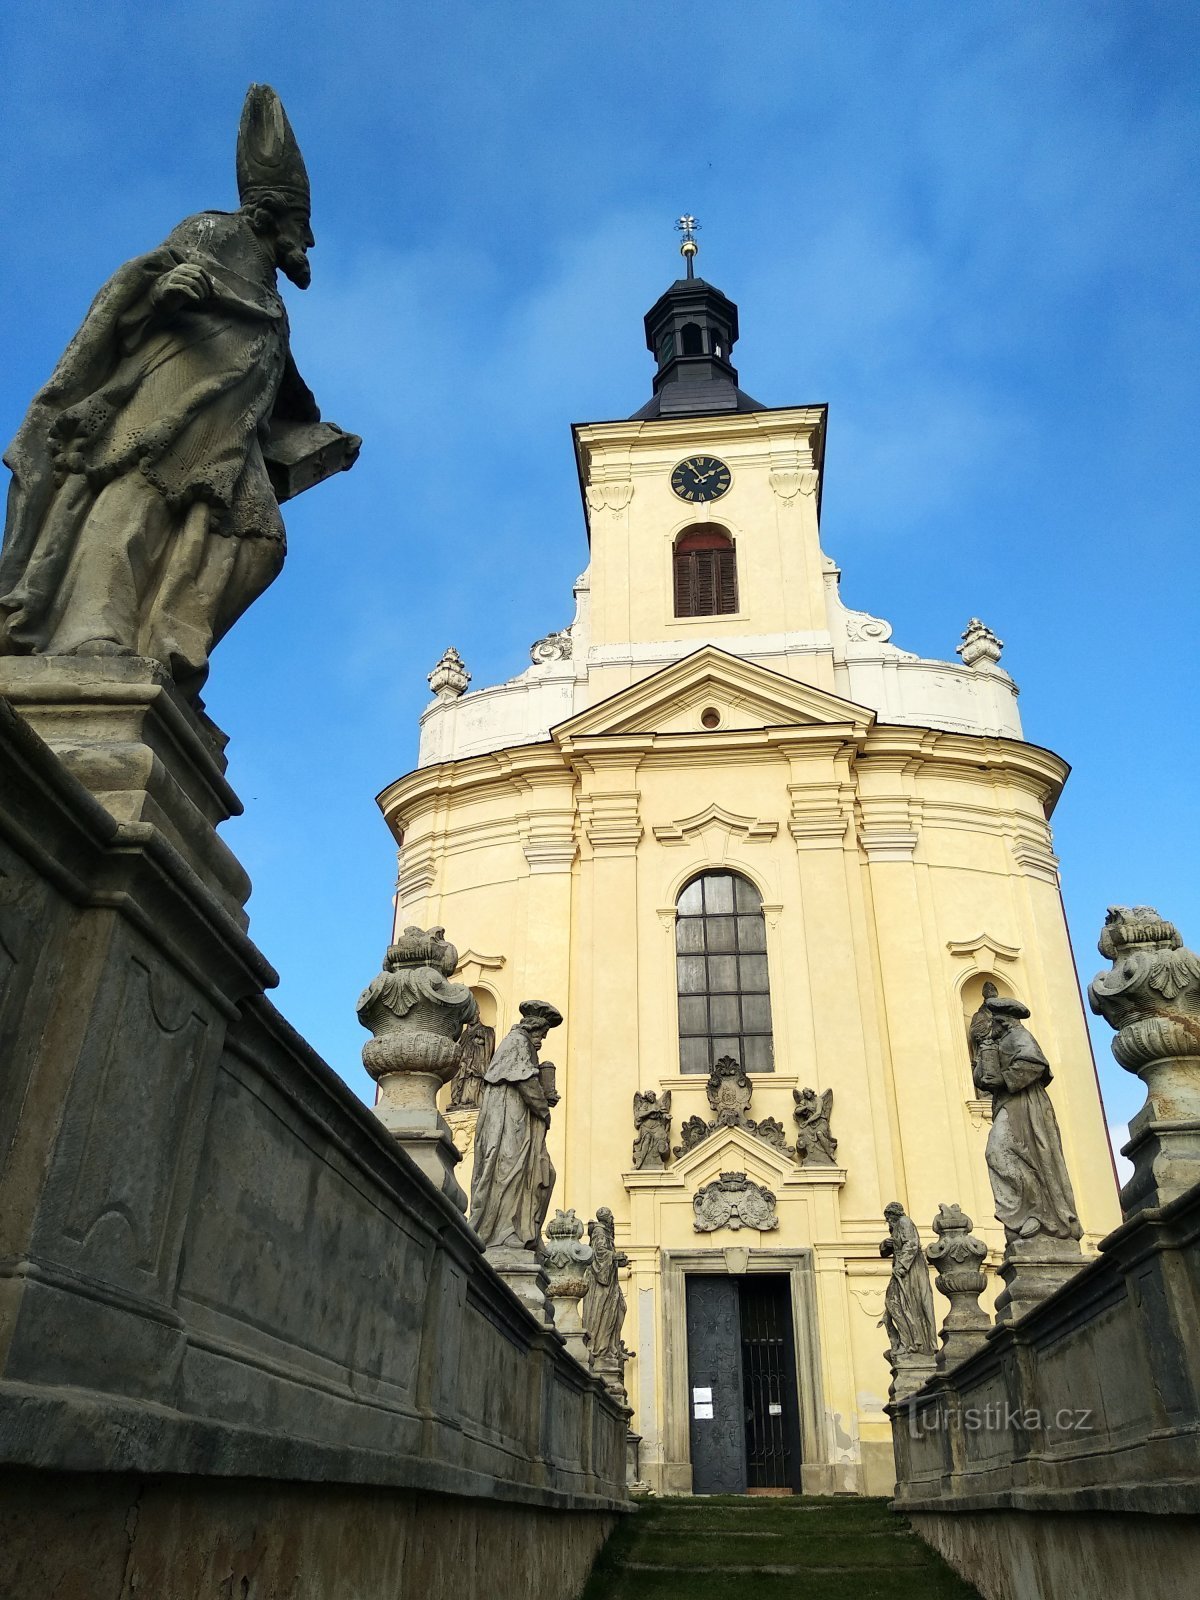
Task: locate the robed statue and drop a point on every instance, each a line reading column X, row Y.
column 1030, row 1184
column 908, row 1300
column 475, row 1050
column 143, row 514
column 652, row 1129
column 513, row 1177
column 603, row 1302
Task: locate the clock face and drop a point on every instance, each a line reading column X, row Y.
column 700, row 478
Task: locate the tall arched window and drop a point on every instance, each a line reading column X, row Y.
column 705, row 573
column 690, row 336
column 721, row 972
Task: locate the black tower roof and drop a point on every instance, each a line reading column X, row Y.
column 690, row 331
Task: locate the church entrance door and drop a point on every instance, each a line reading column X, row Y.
column 744, row 1420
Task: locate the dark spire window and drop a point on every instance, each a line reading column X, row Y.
column 705, row 567
column 721, row 957
column 693, row 344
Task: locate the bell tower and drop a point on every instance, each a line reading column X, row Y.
column 690, row 332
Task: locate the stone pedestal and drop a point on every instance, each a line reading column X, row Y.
column 118, row 725
column 1164, row 1136
column 407, row 1109
column 910, row 1369
column 1032, row 1269
column 633, row 1462
column 525, row 1276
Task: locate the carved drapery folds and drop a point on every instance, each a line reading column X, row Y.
column 733, row 1201
column 907, row 1305
column 1028, row 1173
column 604, row 1305
column 958, row 1257
column 1152, row 998
column 652, row 1130
column 815, row 1145
column 149, row 471
column 729, row 1091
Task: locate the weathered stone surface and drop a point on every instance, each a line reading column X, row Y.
column 144, row 515
column 652, row 1125
column 1079, row 1418
column 908, row 1301
column 604, row 1305
column 475, row 1050
column 566, row 1267
column 513, row 1177
column 219, row 1262
column 958, row 1257
column 729, row 1091
column 733, row 1201
column 815, row 1145
column 1152, row 997
column 1030, row 1183
column 91, row 1536
column 416, row 1016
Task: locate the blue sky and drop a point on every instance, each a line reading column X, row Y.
column 972, row 230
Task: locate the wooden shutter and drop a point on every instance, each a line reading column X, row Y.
column 685, row 587
column 726, row 580
column 705, row 573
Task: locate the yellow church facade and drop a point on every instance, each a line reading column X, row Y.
column 722, row 818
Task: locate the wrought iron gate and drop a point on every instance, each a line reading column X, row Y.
column 769, row 1384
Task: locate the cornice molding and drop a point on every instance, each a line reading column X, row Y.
column 969, row 949
column 683, row 831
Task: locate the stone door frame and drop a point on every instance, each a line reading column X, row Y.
column 799, row 1268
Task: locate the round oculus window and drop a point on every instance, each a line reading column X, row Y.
column 710, row 717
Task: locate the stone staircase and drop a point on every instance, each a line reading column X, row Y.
column 727, row 1548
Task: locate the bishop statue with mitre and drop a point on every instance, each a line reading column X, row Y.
column 143, row 516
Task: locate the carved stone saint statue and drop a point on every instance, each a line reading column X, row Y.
column 1030, row 1183
column 475, row 1050
column 652, row 1124
column 908, row 1301
column 513, row 1176
column 814, row 1142
column 979, row 1029
column 603, row 1301
column 143, row 516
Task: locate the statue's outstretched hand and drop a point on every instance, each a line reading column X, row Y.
column 184, row 283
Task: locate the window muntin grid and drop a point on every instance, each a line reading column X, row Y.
column 721, row 975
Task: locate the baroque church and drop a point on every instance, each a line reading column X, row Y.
column 764, row 860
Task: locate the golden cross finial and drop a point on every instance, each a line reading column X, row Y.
column 688, row 227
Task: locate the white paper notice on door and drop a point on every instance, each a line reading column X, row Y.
column 774, row 1409
column 702, row 1410
column 701, row 1397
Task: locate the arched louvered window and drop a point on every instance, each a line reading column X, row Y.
column 692, row 340
column 721, row 968
column 705, row 571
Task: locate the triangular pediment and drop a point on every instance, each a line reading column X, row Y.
column 744, row 694
column 738, row 1149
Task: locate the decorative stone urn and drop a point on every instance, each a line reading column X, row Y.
column 1152, row 998
column 958, row 1256
column 566, row 1268
column 417, row 1018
